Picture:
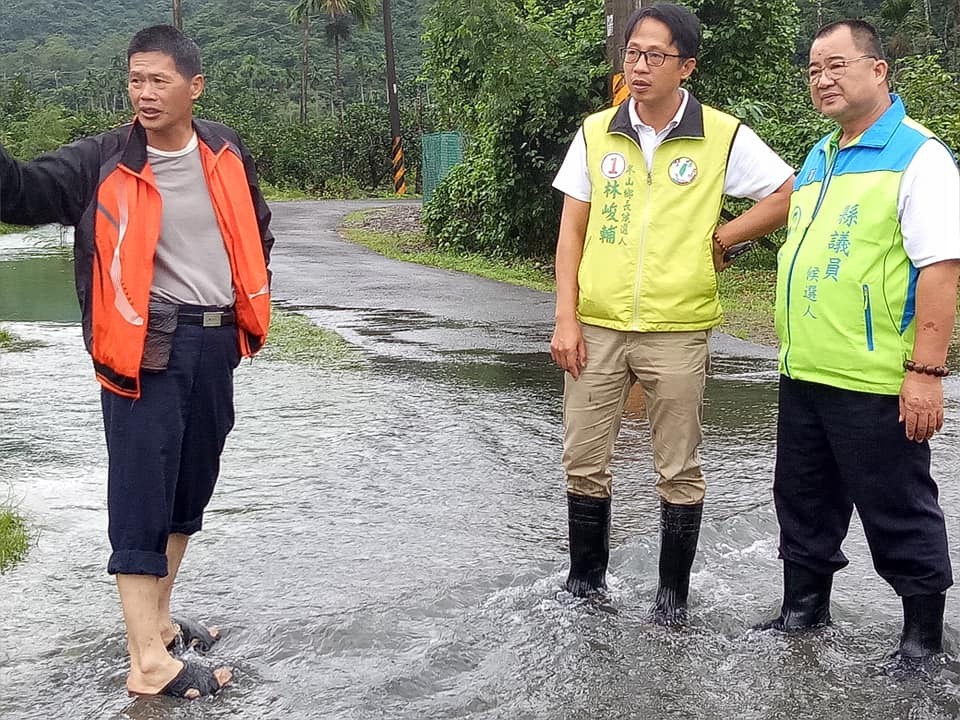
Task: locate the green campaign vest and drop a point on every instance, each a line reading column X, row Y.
column 846, row 289
column 647, row 260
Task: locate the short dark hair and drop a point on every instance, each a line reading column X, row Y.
column 865, row 35
column 684, row 26
column 168, row 40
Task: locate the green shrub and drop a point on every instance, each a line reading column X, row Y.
column 519, row 78
column 14, row 538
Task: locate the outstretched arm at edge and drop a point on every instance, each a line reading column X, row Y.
column 54, row 187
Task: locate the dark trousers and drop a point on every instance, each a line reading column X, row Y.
column 839, row 449
column 164, row 448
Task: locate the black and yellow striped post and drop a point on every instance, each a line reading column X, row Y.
column 618, row 89
column 396, row 153
column 399, row 171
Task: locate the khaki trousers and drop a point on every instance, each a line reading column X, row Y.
column 671, row 368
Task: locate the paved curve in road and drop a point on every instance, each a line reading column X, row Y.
column 407, row 310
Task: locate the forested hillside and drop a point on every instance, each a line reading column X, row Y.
column 76, row 46
column 907, row 26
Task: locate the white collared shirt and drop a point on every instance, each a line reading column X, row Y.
column 753, row 169
column 650, row 139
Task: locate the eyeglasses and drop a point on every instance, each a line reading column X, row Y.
column 654, row 58
column 834, row 69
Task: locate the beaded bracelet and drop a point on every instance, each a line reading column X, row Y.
column 935, row 370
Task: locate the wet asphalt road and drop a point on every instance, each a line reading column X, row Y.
column 403, row 309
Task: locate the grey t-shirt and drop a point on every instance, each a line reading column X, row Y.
column 191, row 266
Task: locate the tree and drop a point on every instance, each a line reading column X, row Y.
column 304, row 63
column 338, row 14
column 906, row 28
column 732, row 65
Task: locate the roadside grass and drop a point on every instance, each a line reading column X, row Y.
column 415, row 248
column 6, row 228
column 294, row 338
column 274, row 193
column 748, row 297
column 339, row 191
column 14, row 343
column 14, row 538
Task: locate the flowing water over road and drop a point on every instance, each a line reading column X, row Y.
column 388, row 536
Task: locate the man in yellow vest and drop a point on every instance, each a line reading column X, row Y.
column 637, row 256
column 866, row 298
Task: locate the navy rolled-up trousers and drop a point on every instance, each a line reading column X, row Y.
column 839, row 449
column 164, row 447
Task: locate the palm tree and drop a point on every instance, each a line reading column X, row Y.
column 304, row 60
column 338, row 14
column 365, row 71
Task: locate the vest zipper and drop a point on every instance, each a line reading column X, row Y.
column 643, row 235
column 793, row 261
column 868, row 316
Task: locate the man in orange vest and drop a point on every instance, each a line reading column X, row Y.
column 172, row 244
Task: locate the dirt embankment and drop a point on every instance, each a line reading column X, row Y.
column 393, row 219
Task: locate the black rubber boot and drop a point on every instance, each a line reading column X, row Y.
column 922, row 635
column 679, row 531
column 589, row 523
column 806, row 600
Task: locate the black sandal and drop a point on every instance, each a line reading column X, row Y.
column 192, row 635
column 193, row 676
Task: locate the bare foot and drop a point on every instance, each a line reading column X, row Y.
column 151, row 680
column 189, row 681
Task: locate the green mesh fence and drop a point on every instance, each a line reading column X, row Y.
column 441, row 151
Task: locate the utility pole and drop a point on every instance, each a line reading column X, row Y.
column 616, row 13
column 177, row 15
column 396, row 152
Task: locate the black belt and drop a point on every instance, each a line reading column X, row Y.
column 215, row 317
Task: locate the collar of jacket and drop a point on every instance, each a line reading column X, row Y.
column 883, row 128
column 134, row 154
column 690, row 126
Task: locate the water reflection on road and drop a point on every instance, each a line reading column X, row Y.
column 388, row 540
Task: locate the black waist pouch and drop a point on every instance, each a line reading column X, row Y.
column 161, row 324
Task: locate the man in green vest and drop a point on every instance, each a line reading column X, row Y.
column 637, row 256
column 866, row 297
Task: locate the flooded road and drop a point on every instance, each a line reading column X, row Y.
column 388, row 538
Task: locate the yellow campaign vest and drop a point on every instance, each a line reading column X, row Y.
column 647, row 260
